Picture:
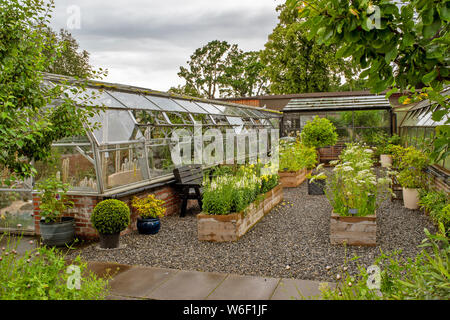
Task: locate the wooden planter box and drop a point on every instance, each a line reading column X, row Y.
column 292, row 179
column 355, row 231
column 231, row 227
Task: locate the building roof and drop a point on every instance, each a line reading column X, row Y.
column 338, row 103
column 302, row 95
column 162, row 101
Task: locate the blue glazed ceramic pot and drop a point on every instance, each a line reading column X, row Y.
column 148, row 225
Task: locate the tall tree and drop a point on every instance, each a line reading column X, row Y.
column 243, row 75
column 295, row 64
column 206, row 67
column 32, row 115
column 219, row 68
column 400, row 45
column 69, row 61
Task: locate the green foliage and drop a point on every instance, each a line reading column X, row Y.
column 110, row 216
column 40, row 274
column 319, row 132
column 437, row 204
column 424, row 278
column 54, row 201
column 296, row 64
column 411, row 163
column 384, row 142
column 219, row 67
column 295, row 156
column 68, row 61
column 233, row 192
column 405, row 47
column 243, row 75
column 32, row 115
column 353, row 183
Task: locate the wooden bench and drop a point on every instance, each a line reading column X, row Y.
column 189, row 177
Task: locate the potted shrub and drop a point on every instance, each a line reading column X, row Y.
column 318, row 133
column 150, row 210
column 353, row 191
column 56, row 230
column 411, row 163
column 109, row 218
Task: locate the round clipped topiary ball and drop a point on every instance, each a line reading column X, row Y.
column 110, row 216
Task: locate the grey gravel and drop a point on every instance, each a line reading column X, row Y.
column 292, row 241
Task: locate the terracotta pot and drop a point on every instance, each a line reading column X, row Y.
column 386, row 160
column 411, row 198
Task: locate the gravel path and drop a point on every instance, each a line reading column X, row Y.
column 295, row 234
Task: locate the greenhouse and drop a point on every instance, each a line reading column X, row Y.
column 416, row 125
column 131, row 149
column 356, row 117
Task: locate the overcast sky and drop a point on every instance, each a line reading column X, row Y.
column 144, row 42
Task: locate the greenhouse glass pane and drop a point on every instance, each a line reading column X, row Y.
column 73, row 165
column 166, row 104
column 159, row 159
column 116, row 126
column 209, row 108
column 94, row 97
column 133, row 100
column 123, row 166
column 232, row 111
column 190, row 106
column 237, row 124
column 16, row 208
column 423, row 119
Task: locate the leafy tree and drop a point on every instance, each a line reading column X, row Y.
column 69, row 61
column 32, row 114
column 242, row 77
column 206, row 67
column 185, row 90
column 400, row 45
column 295, row 64
column 221, row 68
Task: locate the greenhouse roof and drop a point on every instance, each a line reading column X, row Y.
column 119, row 96
column 348, row 103
column 420, row 114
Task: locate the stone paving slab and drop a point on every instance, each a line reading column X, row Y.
column 188, row 285
column 237, row 287
column 139, row 281
column 135, row 283
column 105, row 269
column 295, row 289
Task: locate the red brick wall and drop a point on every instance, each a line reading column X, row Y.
column 83, row 206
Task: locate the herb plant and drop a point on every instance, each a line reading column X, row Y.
column 40, row 274
column 54, row 201
column 353, row 183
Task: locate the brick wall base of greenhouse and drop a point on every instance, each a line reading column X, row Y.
column 84, row 205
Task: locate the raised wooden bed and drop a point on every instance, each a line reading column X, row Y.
column 355, row 231
column 231, row 227
column 292, row 179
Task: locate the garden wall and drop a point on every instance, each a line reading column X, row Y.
column 84, row 205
